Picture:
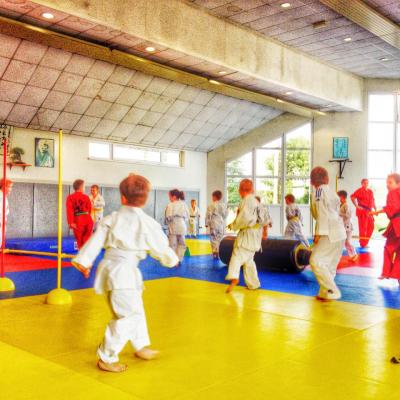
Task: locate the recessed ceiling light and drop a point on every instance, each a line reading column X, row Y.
column 384, row 59
column 279, row 100
column 222, row 72
column 47, row 15
column 348, row 39
column 214, row 82
column 288, row 93
column 150, row 49
column 285, row 5
column 321, row 113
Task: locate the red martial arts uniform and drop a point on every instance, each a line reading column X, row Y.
column 366, row 223
column 79, row 208
column 391, row 260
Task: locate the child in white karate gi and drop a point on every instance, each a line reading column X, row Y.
column 216, row 221
column 193, row 218
column 127, row 235
column 294, row 227
column 98, row 205
column 248, row 239
column 177, row 217
column 4, row 191
column 345, row 213
column 329, row 236
column 265, row 215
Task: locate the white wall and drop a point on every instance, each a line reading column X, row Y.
column 76, row 164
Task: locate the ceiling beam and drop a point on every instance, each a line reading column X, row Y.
column 365, row 16
column 177, row 25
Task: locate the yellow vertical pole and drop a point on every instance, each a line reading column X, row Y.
column 60, row 195
column 59, row 296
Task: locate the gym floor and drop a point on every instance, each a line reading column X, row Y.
column 213, row 346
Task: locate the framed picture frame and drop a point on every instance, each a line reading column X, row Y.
column 44, row 153
column 340, row 148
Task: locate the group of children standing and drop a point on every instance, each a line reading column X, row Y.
column 128, row 235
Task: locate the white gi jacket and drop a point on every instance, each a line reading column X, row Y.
column 325, row 205
column 345, row 213
column 177, row 217
column 216, row 215
column 247, row 223
column 127, row 235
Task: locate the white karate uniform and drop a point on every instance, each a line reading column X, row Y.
column 1, row 215
column 247, row 242
column 193, row 220
column 216, row 222
column 294, row 227
column 177, row 217
column 127, row 235
column 98, row 205
column 326, row 253
column 345, row 213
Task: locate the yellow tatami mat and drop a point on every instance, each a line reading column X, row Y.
column 247, row 345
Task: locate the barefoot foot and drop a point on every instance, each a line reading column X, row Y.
column 395, row 360
column 111, row 367
column 147, row 354
column 234, row 282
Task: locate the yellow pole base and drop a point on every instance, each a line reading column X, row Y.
column 6, row 285
column 59, row 297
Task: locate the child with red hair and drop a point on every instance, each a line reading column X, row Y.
column 329, row 235
column 248, row 239
column 128, row 235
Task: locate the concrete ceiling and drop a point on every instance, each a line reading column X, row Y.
column 46, row 88
column 293, row 26
column 193, row 41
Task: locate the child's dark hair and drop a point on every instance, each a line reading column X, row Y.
column 182, row 195
column 135, row 189
column 175, row 193
column 258, row 198
column 290, row 198
column 95, row 187
column 217, row 194
column 78, row 184
column 342, row 193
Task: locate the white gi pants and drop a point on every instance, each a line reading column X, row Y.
column 351, row 251
column 128, row 325
column 243, row 257
column 177, row 243
column 324, row 260
column 192, row 226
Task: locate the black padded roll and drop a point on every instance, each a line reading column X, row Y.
column 277, row 254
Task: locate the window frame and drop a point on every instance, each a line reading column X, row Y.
column 161, row 151
column 283, row 170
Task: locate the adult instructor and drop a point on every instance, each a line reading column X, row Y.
column 364, row 201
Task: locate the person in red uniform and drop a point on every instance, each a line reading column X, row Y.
column 391, row 259
column 79, row 209
column 364, row 201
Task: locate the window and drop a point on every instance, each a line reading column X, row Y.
column 100, row 150
column 279, row 167
column 120, row 152
column 236, row 170
column 383, row 145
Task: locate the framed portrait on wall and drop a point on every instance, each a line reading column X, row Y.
column 340, row 148
column 44, row 153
